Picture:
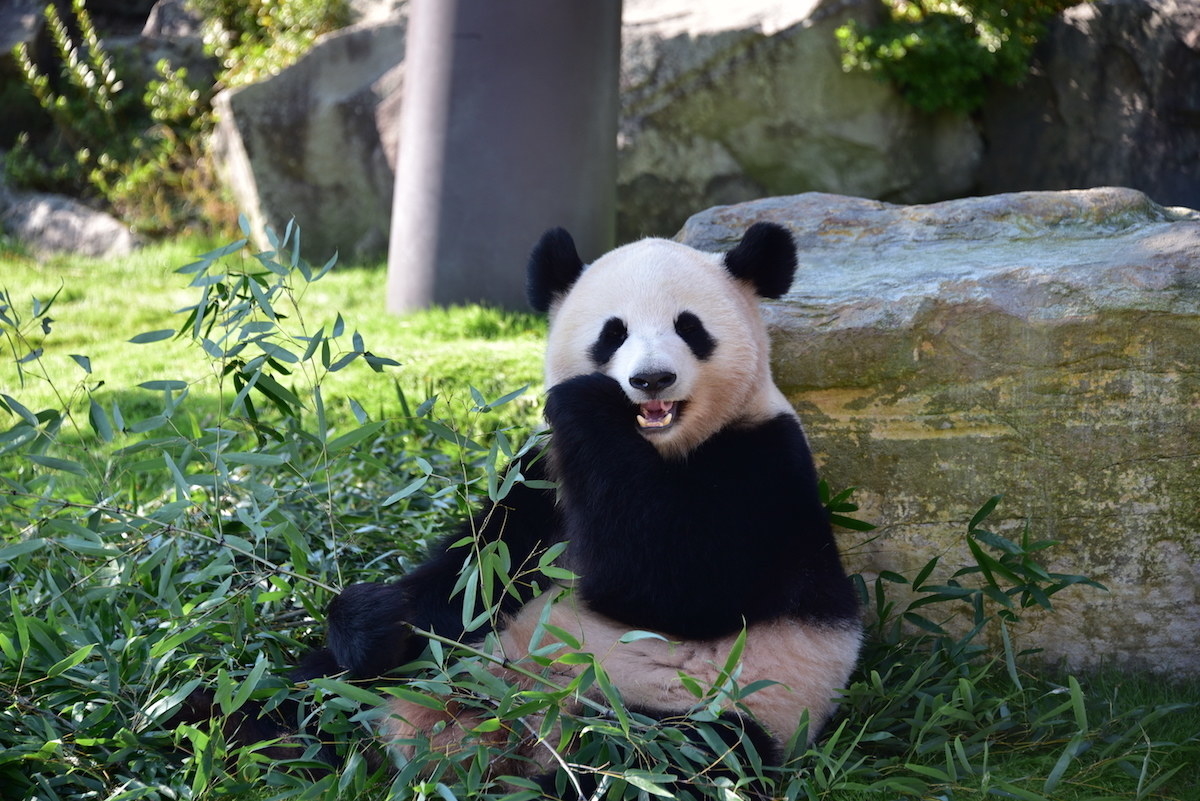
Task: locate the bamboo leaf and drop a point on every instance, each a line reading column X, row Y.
column 68, row 662
column 54, row 463
column 11, row 552
column 354, row 692
column 99, row 421
column 354, row 436
column 153, row 336
column 164, row 386
column 407, row 490
column 984, row 511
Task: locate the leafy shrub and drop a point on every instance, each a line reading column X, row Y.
column 141, row 149
column 944, row 55
column 150, row 553
column 136, row 148
column 258, row 38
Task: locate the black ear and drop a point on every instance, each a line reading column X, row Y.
column 553, row 267
column 766, row 257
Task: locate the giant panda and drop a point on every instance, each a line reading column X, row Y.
column 686, row 494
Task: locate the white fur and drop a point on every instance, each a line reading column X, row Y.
column 809, row 664
column 647, row 284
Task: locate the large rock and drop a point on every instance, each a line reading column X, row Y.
column 20, row 20
column 1112, row 99
column 50, row 224
column 317, row 142
column 1039, row 345
column 720, row 102
column 724, row 102
column 170, row 31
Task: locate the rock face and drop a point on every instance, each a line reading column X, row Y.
column 721, row 102
column 20, row 21
column 1039, row 345
column 50, row 224
column 317, row 142
column 725, row 102
column 1111, row 100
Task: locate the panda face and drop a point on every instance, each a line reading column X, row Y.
column 649, row 366
column 679, row 333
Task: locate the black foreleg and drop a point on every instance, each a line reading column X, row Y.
column 370, row 625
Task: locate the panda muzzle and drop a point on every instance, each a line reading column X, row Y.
column 656, row 415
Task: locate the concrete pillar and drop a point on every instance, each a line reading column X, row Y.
column 508, row 127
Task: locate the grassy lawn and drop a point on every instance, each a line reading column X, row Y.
column 155, row 539
column 101, row 305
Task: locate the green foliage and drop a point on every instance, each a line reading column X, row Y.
column 152, row 546
column 136, row 148
column 151, row 550
column 259, row 38
column 945, row 55
column 140, row 149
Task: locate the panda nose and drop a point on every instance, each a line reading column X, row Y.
column 652, row 382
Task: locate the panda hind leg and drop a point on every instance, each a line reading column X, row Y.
column 453, row 729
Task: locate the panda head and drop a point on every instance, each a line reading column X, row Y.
column 677, row 328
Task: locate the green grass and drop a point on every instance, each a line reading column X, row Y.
column 136, row 564
column 102, row 304
column 1122, row 707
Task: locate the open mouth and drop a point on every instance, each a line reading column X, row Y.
column 658, row 415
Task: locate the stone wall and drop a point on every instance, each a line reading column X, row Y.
column 1040, row 345
column 1111, row 99
column 725, row 102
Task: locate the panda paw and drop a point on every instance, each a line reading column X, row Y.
column 366, row 634
column 591, row 402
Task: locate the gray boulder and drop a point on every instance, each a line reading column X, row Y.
column 20, row 20
column 1039, row 345
column 720, row 102
column 377, row 10
column 172, row 20
column 171, row 32
column 317, row 142
column 50, row 224
column 724, row 102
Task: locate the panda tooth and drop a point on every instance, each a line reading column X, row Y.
column 663, row 423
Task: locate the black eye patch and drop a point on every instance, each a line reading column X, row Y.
column 692, row 331
column 612, row 336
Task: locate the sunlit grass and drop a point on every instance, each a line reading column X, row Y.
column 99, row 305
